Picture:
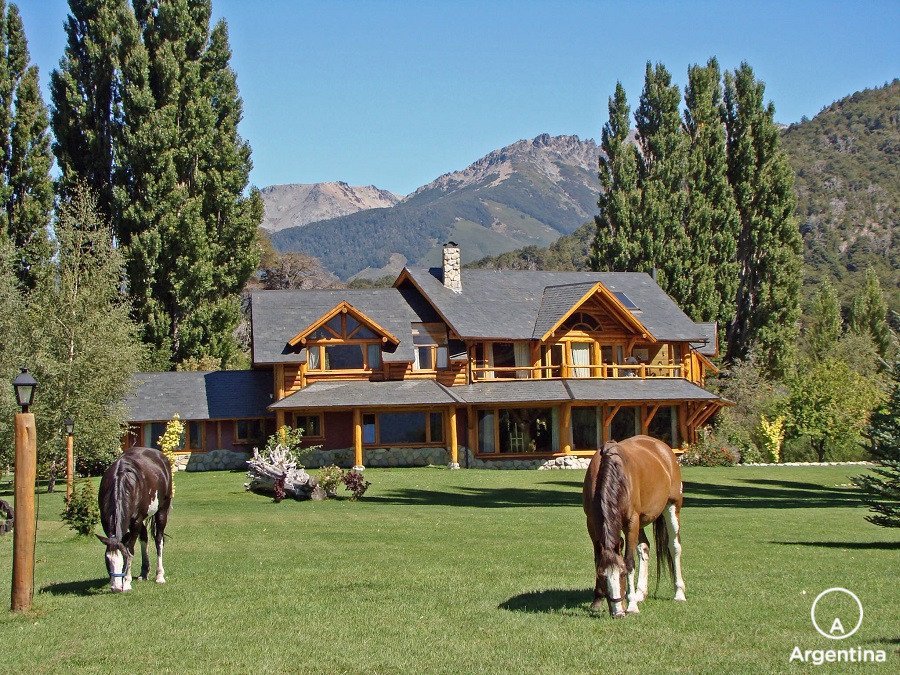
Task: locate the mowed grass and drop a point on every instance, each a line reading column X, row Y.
column 457, row 572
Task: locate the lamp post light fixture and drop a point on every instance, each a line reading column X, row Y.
column 69, row 425
column 24, row 386
column 24, row 523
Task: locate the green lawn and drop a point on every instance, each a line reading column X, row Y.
column 457, row 572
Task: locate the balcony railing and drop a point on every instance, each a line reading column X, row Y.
column 605, row 371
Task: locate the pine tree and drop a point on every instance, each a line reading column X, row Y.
column 824, row 329
column 711, row 219
column 26, row 189
column 11, row 322
column 868, row 314
column 662, row 169
column 614, row 246
column 100, row 99
column 86, row 347
column 882, row 491
column 190, row 231
column 769, row 245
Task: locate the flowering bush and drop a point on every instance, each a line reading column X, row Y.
column 329, row 478
column 171, row 440
column 772, row 436
column 355, row 483
column 707, row 451
column 81, row 512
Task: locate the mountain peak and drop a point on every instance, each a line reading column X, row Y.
column 297, row 204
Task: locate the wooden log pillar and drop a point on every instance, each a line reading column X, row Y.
column 452, row 445
column 565, row 428
column 357, row 440
column 70, row 466
column 472, row 429
column 279, row 419
column 24, row 524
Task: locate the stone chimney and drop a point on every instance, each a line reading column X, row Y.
column 450, row 275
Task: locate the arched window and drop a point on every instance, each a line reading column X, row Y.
column 584, row 322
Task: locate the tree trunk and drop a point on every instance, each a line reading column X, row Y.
column 820, row 450
column 51, row 480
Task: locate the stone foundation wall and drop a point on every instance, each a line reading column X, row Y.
column 214, row 460
column 570, row 462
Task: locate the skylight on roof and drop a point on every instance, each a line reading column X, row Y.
column 625, row 300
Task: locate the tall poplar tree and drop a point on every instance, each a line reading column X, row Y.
column 26, row 189
column 824, row 328
column 100, row 97
column 711, row 219
column 615, row 246
column 660, row 236
column 868, row 314
column 769, row 247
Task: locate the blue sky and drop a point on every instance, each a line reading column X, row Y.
column 396, row 93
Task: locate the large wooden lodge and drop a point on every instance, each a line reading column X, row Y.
column 470, row 367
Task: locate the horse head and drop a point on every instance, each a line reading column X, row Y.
column 118, row 564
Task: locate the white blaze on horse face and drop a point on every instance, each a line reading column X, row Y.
column 154, row 503
column 672, row 526
column 116, row 563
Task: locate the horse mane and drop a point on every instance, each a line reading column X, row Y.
column 612, row 487
column 124, row 482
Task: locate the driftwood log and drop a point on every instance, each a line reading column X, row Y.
column 272, row 466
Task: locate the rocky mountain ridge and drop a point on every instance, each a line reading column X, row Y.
column 298, row 204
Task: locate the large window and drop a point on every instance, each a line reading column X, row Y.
column 585, row 427
column 152, row 433
column 248, row 431
column 343, row 343
column 625, row 424
column 664, row 425
column 403, row 428
column 311, row 425
column 518, row 431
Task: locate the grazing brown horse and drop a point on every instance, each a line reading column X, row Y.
column 628, row 486
column 135, row 489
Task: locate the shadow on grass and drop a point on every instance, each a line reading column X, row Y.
column 852, row 545
column 86, row 587
column 550, row 601
column 486, row 498
column 768, row 494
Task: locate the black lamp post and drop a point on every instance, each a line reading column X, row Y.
column 69, row 424
column 24, row 386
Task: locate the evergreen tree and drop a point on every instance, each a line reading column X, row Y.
column 868, row 314
column 824, row 329
column 711, row 219
column 769, row 246
column 26, row 190
column 882, row 491
column 190, row 231
column 11, row 315
column 100, row 99
column 614, row 245
column 660, row 237
column 86, row 345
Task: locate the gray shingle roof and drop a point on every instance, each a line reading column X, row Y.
column 227, row 394
column 636, row 389
column 508, row 304
column 513, row 391
column 709, row 330
column 556, row 302
column 356, row 393
column 277, row 316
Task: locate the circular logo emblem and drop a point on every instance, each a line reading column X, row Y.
column 837, row 608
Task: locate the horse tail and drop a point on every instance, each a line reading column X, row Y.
column 663, row 552
column 612, row 487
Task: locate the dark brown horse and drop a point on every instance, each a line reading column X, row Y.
column 136, row 489
column 628, row 486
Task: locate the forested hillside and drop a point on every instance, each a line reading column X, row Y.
column 847, row 177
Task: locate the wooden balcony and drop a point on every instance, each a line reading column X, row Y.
column 595, row 372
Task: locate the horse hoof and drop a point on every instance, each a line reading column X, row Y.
column 143, row 577
column 160, row 580
column 679, row 597
column 640, row 597
column 596, row 606
column 619, row 615
column 633, row 609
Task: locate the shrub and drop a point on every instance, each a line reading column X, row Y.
column 82, row 512
column 355, row 484
column 171, row 440
column 707, row 451
column 330, row 477
column 773, row 436
column 288, row 440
